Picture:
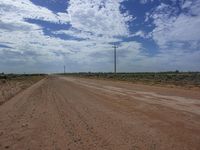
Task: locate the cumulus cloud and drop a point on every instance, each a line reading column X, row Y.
column 17, row 11
column 99, row 17
column 20, row 34
column 95, row 25
column 172, row 26
column 176, row 32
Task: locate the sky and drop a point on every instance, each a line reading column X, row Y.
column 41, row 36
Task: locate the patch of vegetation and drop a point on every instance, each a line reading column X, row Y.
column 189, row 79
column 11, row 84
column 17, row 76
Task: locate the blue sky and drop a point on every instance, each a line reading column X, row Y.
column 152, row 35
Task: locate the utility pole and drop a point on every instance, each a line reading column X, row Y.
column 64, row 69
column 115, row 58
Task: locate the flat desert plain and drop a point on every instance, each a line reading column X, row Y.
column 68, row 113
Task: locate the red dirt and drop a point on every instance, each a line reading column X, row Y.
column 61, row 113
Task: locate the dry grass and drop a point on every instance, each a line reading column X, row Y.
column 11, row 86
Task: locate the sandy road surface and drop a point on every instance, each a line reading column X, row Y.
column 62, row 113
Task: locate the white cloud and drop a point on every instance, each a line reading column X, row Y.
column 182, row 27
column 99, row 17
column 17, row 11
column 176, row 33
column 145, row 1
column 140, row 33
column 100, row 27
column 23, row 36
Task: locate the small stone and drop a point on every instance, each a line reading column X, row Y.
column 24, row 125
column 6, row 147
column 1, row 133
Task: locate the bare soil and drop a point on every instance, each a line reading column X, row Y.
column 66, row 113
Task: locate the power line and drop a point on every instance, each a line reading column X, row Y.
column 64, row 69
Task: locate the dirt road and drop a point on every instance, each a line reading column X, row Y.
column 63, row 113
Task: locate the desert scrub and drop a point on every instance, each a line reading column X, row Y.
column 10, row 86
column 185, row 79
